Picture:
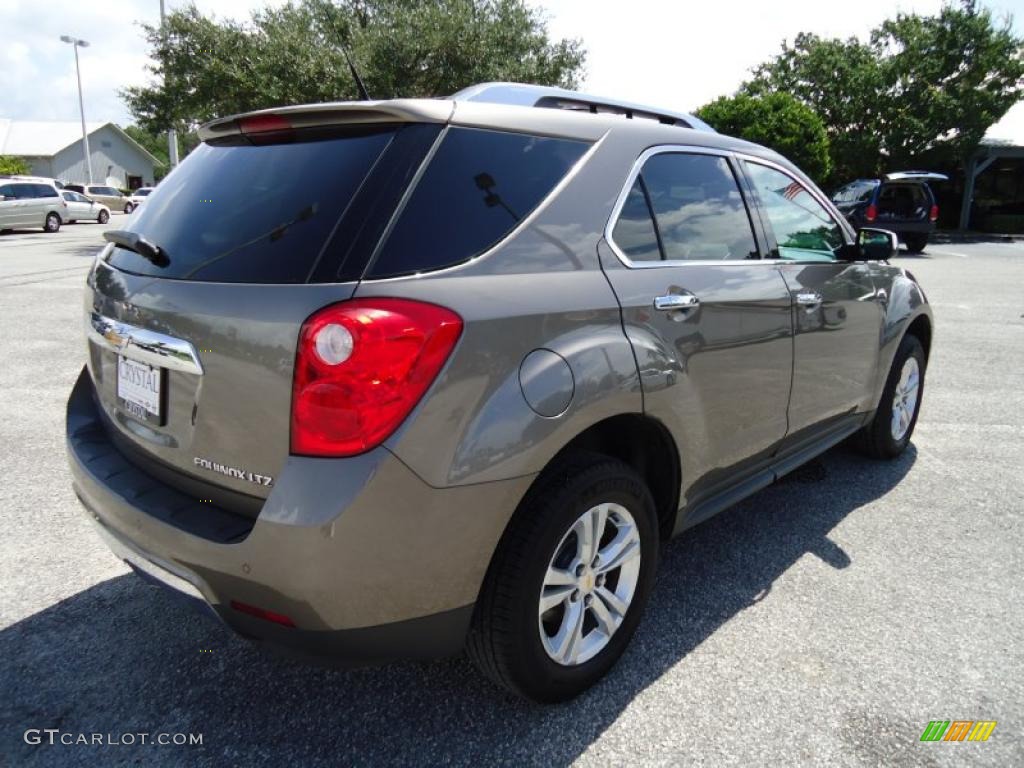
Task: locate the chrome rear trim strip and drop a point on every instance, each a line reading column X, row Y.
column 146, row 346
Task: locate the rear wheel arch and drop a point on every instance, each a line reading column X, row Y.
column 645, row 445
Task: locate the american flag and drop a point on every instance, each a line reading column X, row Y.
column 792, row 191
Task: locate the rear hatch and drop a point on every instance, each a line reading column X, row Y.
column 194, row 312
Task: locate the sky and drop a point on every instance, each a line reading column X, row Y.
column 667, row 53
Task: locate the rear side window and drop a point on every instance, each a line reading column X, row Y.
column 478, row 186
column 858, row 192
column 235, row 212
column 634, row 231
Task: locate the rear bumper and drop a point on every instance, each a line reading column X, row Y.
column 367, row 561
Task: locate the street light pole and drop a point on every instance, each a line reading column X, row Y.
column 76, row 44
column 172, row 136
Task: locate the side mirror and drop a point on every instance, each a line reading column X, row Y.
column 877, row 244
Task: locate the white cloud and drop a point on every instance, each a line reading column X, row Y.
column 672, row 54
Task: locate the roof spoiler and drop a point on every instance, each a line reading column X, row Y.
column 333, row 113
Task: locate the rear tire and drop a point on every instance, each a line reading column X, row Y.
column 52, row 223
column 103, row 218
column 889, row 432
column 915, row 243
column 593, row 605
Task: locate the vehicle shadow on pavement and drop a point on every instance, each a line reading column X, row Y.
column 124, row 657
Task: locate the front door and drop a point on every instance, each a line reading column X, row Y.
column 837, row 320
column 709, row 321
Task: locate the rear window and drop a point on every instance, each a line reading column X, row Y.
column 236, row 212
column 479, row 185
column 858, row 192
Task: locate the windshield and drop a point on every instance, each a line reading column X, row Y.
column 235, row 212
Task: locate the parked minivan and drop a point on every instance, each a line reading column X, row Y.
column 396, row 379
column 113, row 198
column 901, row 202
column 31, row 204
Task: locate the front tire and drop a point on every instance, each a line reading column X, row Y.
column 103, row 218
column 52, row 223
column 128, row 208
column 889, row 432
column 569, row 581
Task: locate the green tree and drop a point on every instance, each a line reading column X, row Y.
column 156, row 145
column 206, row 67
column 922, row 91
column 776, row 120
column 14, row 165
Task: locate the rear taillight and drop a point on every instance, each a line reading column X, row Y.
column 361, row 367
column 933, row 214
column 871, row 213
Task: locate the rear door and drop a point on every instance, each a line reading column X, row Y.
column 192, row 356
column 710, row 322
column 27, row 210
column 838, row 320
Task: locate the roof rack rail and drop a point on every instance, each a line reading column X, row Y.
column 523, row 95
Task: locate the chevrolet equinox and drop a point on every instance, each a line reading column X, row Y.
column 394, row 379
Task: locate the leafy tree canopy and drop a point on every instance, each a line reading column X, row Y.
column 14, row 165
column 776, row 120
column 921, row 92
column 207, row 68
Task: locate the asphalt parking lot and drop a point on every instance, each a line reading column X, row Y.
column 826, row 620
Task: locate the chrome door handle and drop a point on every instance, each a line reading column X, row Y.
column 809, row 299
column 675, row 301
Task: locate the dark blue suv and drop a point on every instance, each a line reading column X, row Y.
column 901, row 202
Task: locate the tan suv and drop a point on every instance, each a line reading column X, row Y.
column 113, row 198
column 30, row 204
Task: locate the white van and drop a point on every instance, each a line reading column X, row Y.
column 31, row 204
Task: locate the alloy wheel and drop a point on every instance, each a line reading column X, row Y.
column 904, row 401
column 589, row 584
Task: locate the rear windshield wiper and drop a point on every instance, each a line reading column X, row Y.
column 133, row 241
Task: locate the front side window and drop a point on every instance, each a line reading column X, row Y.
column 804, row 229
column 697, row 208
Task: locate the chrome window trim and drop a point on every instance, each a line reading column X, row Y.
column 620, row 201
column 143, row 345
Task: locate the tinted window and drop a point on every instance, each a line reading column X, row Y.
column 75, row 187
column 7, row 190
column 634, row 231
column 24, row 191
column 858, row 192
column 45, row 190
column 478, row 187
column 698, row 208
column 803, row 229
column 242, row 213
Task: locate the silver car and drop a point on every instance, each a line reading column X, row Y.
column 81, row 208
column 397, row 379
column 31, row 205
